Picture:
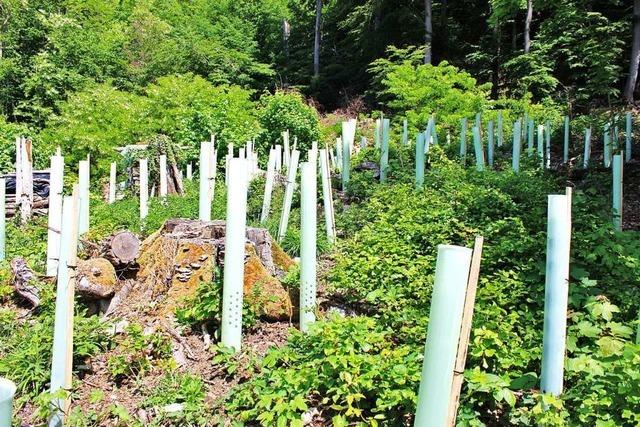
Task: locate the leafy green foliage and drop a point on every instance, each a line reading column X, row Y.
column 287, row 111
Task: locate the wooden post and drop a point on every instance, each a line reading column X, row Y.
column 144, row 188
column 62, row 354
column 25, row 196
column 162, row 165
column 465, row 330
column 54, row 220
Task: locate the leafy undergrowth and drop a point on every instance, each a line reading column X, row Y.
column 366, row 369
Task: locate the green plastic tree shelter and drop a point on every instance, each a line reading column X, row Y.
column 384, row 155
column 62, row 353
column 307, row 245
column 54, row 214
column 288, row 194
column 3, row 218
column 530, row 128
column 587, row 147
column 144, row 188
column 617, row 172
column 377, row 131
column 547, row 152
column 541, row 145
column 515, row 160
column 268, row 186
column 339, row 154
column 445, row 320
column 348, row 136
column 500, row 130
column 477, row 144
column 233, row 277
column 556, row 294
column 434, row 130
column 419, row 160
column 565, row 152
column 83, row 178
column 606, row 140
column 490, row 143
column 327, row 196
column 405, row 132
column 463, row 138
column 628, row 136
column 7, row 391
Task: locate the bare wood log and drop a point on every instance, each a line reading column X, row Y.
column 85, row 286
column 23, row 278
column 120, row 296
column 121, row 248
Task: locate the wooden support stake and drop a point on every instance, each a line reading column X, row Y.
column 465, row 331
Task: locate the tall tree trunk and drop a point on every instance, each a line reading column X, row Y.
column 514, row 34
column 316, row 42
column 495, row 72
column 444, row 28
column 527, row 26
column 428, row 31
column 632, row 79
column 286, row 32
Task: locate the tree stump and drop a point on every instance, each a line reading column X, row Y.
column 121, row 248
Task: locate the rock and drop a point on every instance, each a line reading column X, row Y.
column 96, row 278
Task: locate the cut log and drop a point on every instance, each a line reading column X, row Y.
column 23, row 278
column 96, row 278
column 121, row 248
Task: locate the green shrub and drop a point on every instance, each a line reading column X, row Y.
column 287, row 111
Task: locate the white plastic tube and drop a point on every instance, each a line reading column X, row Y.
column 231, row 335
column 308, row 246
column 83, row 182
column 7, row 391
column 556, row 295
column 445, row 321
column 144, row 188
column 268, row 186
column 288, row 194
column 54, row 220
column 163, row 175
column 204, row 204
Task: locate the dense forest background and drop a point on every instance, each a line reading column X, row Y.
column 131, row 68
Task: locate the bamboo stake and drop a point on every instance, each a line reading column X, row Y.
column 465, row 331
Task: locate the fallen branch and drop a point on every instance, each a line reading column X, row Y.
column 23, row 278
